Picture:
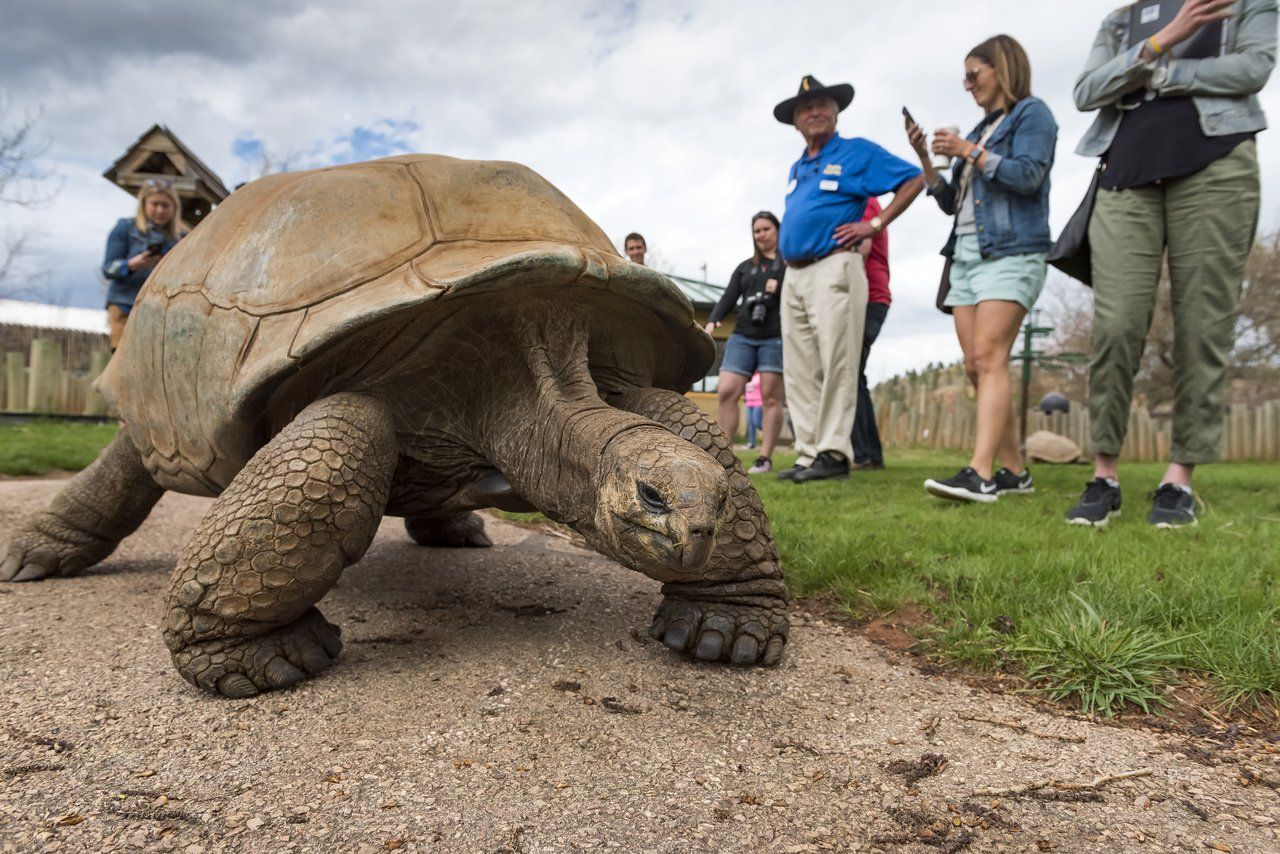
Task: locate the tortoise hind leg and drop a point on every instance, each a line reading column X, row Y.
column 240, row 616
column 97, row 509
column 460, row 530
column 738, row 611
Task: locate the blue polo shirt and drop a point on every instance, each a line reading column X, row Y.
column 832, row 189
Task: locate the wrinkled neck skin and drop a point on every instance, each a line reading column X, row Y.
column 553, row 452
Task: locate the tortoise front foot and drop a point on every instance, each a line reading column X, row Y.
column 243, row 667
column 464, row 530
column 48, row 546
column 708, row 630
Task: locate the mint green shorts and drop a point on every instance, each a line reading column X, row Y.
column 974, row 279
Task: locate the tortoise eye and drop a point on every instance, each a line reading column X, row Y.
column 651, row 498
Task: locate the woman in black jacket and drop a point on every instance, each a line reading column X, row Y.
column 756, row 342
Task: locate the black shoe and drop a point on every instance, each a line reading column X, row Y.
column 825, row 467
column 1008, row 482
column 964, row 485
column 869, row 465
column 1099, row 503
column 1171, row 507
column 763, row 465
column 790, row 474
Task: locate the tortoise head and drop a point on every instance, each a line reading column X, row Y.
column 660, row 504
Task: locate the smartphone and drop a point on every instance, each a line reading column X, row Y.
column 907, row 114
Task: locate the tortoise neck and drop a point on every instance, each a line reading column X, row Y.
column 550, row 433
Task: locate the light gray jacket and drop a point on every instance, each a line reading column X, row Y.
column 1223, row 88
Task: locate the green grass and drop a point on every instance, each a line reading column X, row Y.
column 1102, row 619
column 37, row 447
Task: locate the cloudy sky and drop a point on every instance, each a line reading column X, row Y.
column 652, row 116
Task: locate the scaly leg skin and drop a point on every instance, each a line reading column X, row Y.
column 239, row 616
column 738, row 611
column 87, row 520
column 462, row 530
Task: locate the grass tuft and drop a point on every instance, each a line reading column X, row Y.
column 1078, row 655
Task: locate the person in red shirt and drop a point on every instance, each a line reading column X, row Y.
column 867, row 452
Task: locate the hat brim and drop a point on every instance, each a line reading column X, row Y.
column 842, row 93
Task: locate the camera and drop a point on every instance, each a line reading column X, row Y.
column 759, row 307
column 155, row 244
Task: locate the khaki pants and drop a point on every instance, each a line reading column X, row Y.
column 824, row 308
column 1207, row 222
column 116, row 319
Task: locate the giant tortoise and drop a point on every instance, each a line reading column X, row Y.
column 419, row 336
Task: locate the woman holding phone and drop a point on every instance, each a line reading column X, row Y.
column 135, row 246
column 1179, row 175
column 998, row 196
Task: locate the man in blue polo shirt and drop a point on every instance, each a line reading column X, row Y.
column 825, row 301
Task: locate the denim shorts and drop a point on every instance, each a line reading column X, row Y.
column 745, row 356
column 974, row 279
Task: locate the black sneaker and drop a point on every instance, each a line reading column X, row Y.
column 1008, row 482
column 762, row 466
column 825, row 467
column 790, row 474
column 1172, row 507
column 965, row 485
column 1099, row 503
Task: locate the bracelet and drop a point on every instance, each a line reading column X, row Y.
column 977, row 152
column 1154, row 45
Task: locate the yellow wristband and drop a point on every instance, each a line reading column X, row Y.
column 1154, row 45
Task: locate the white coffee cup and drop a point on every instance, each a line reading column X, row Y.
column 942, row 162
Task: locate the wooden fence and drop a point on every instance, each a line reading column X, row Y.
column 947, row 421
column 47, row 380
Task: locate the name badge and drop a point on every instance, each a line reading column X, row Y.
column 1149, row 14
column 833, row 169
column 829, row 185
column 791, row 187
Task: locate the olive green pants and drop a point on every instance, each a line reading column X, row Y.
column 1206, row 221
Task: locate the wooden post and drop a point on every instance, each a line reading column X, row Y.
column 46, row 368
column 96, row 404
column 15, row 382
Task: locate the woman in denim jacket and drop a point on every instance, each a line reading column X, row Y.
column 999, row 196
column 135, row 246
column 1177, row 115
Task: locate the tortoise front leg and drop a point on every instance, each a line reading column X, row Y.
column 738, row 611
column 240, row 618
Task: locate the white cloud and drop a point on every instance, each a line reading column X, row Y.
column 652, row 116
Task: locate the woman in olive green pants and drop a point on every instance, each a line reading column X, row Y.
column 1180, row 175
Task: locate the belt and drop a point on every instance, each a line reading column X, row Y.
column 805, row 262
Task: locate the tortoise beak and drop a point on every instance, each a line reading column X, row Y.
column 696, row 550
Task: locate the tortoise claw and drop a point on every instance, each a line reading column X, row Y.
column 709, row 647
column 677, row 637
column 745, row 650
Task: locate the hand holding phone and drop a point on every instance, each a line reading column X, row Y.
column 915, row 135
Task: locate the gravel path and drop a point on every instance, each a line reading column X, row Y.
column 508, row 700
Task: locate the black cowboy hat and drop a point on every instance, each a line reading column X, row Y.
column 841, row 93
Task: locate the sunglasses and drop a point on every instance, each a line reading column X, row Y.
column 971, row 77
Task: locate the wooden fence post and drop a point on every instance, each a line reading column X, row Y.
column 96, row 404
column 15, row 382
column 43, row 379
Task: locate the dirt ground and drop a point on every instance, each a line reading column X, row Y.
column 508, row 700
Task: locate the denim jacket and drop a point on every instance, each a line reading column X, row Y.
column 1011, row 193
column 1224, row 89
column 123, row 243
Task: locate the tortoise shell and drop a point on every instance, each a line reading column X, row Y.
column 293, row 264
